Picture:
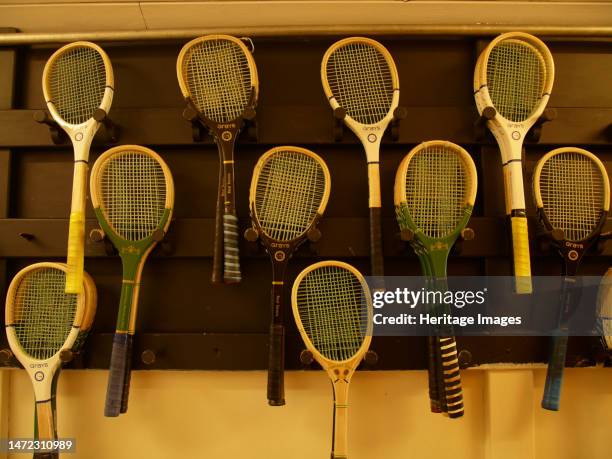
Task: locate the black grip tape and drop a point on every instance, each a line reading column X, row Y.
column 128, row 375
column 276, row 366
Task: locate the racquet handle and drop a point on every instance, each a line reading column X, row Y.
column 434, row 395
column 276, row 366
column 376, row 250
column 116, row 376
column 554, row 374
column 452, row 377
column 231, row 273
column 125, row 395
column 217, row 268
column 520, row 249
column 76, row 253
column 46, row 455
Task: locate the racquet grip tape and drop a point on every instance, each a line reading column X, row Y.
column 46, row 455
column 125, row 395
column 276, row 366
column 217, row 268
column 554, row 374
column 231, row 272
column 76, row 253
column 376, row 249
column 520, row 249
column 434, row 395
column 452, row 377
column 116, row 376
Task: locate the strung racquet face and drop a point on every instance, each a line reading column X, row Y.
column 435, row 190
column 77, row 80
column 359, row 75
column 42, row 320
column 515, row 76
column 572, row 193
column 289, row 192
column 332, row 308
column 217, row 73
column 133, row 193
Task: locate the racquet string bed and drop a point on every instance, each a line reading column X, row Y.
column 360, row 80
column 219, row 79
column 572, row 193
column 289, row 191
column 77, row 82
column 43, row 314
column 436, row 189
column 334, row 311
column 516, row 74
column 133, row 194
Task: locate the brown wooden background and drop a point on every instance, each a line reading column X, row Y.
column 191, row 324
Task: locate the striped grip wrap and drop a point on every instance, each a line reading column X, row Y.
column 554, row 374
column 231, row 273
column 520, row 248
column 452, row 377
column 116, row 377
column 76, row 253
column 276, row 366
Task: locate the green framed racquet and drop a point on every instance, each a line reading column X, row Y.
column 435, row 190
column 132, row 193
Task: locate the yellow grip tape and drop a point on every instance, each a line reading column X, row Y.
column 520, row 247
column 76, row 253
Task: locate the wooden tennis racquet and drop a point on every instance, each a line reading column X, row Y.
column 359, row 76
column 332, row 307
column 77, row 81
column 132, row 193
column 41, row 322
column 218, row 78
column 289, row 192
column 572, row 194
column 514, row 75
column 435, row 190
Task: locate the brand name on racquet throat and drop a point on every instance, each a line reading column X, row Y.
column 279, row 245
column 38, row 365
column 574, row 245
column 371, row 128
column 226, row 125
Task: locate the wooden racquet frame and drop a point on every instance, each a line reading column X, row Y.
column 339, row 372
column 81, row 136
column 510, row 136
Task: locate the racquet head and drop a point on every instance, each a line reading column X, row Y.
column 604, row 309
column 42, row 320
column 435, row 190
column 572, row 193
column 515, row 75
column 132, row 192
column 218, row 76
column 360, row 76
column 77, row 80
column 332, row 307
column 289, row 192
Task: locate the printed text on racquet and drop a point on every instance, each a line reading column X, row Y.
column 435, row 190
column 218, row 78
column 289, row 192
column 360, row 77
column 133, row 196
column 77, row 81
column 332, row 307
column 514, row 75
column 572, row 194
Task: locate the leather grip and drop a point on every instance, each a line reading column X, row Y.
column 276, row 366
column 46, row 455
column 376, row 250
column 116, row 376
column 125, row 395
column 452, row 377
column 554, row 374
column 434, row 395
column 231, row 256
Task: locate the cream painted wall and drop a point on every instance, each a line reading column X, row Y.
column 224, row 414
